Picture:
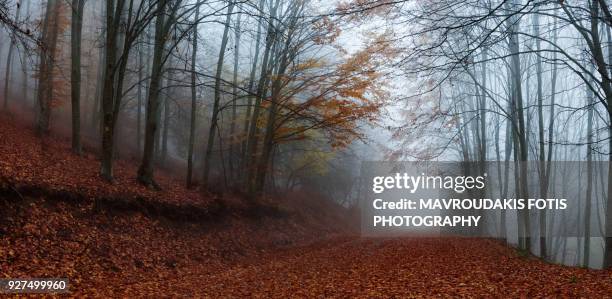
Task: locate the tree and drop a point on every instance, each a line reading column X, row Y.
column 127, row 24
column 217, row 97
column 9, row 61
column 234, row 118
column 589, row 187
column 75, row 82
column 15, row 28
column 250, row 89
column 251, row 142
column 589, row 31
column 313, row 97
column 45, row 70
column 286, row 56
column 165, row 20
column 192, row 122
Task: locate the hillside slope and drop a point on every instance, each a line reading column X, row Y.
column 58, row 219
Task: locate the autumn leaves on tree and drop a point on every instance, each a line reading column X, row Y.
column 149, row 50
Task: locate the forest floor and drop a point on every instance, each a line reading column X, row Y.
column 57, row 219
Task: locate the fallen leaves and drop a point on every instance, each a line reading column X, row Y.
column 422, row 267
column 127, row 253
column 29, row 162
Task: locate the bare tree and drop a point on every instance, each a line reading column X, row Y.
column 193, row 114
column 165, row 19
column 217, row 97
column 75, row 82
column 127, row 23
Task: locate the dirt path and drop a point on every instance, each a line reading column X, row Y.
column 110, row 254
column 392, row 268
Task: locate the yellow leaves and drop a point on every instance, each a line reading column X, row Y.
column 315, row 160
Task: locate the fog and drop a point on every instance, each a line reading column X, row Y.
column 265, row 98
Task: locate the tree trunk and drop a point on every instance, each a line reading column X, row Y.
column 541, row 142
column 508, row 152
column 141, row 62
column 251, row 153
column 75, row 82
column 96, row 107
column 251, row 91
column 589, row 187
column 9, row 62
column 164, row 143
column 24, row 67
column 268, row 142
column 45, row 86
column 108, row 91
column 217, row 97
column 145, row 171
column 233, row 139
column 523, row 150
column 192, row 123
column 551, row 121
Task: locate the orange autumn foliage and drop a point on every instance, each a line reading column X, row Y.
column 334, row 98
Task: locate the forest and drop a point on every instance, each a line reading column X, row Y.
column 148, row 146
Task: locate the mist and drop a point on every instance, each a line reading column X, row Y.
column 224, row 113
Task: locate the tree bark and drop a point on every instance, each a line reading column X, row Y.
column 162, row 28
column 192, row 123
column 24, row 66
column 96, row 109
column 268, row 142
column 589, row 187
column 75, row 82
column 232, row 156
column 141, row 63
column 251, row 91
column 251, row 153
column 523, row 150
column 217, row 98
column 166, row 127
column 45, row 86
column 541, row 142
column 9, row 62
column 108, row 92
